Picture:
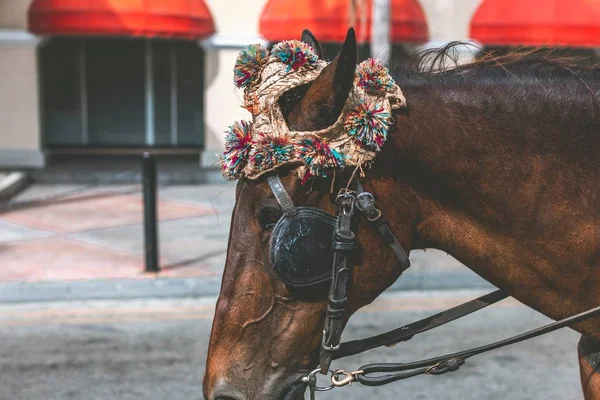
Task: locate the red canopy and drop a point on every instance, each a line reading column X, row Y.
column 537, row 22
column 329, row 20
column 185, row 19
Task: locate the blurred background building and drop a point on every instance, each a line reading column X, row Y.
column 85, row 77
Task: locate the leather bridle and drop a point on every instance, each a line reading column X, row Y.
column 348, row 202
column 343, row 245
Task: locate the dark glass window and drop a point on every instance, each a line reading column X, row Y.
column 161, row 52
column 189, row 94
column 95, row 91
column 116, row 90
column 60, row 74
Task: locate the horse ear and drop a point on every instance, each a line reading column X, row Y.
column 325, row 99
column 311, row 40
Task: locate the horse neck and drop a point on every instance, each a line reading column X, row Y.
column 488, row 189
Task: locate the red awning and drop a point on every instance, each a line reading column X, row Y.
column 329, row 20
column 185, row 19
column 537, row 22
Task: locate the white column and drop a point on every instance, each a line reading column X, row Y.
column 380, row 30
column 150, row 134
column 20, row 129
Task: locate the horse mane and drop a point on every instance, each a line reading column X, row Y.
column 529, row 81
column 542, row 97
column 442, row 65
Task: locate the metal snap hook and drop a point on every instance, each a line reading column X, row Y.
column 348, row 377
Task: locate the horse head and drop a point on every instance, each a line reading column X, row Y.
column 266, row 333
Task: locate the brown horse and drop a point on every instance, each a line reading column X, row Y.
column 496, row 162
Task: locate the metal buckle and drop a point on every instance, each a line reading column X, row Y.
column 365, row 202
column 432, row 368
column 345, row 201
column 324, row 345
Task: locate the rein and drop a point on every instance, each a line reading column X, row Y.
column 379, row 374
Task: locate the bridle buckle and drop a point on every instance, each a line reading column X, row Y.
column 365, row 202
column 327, row 347
column 345, row 201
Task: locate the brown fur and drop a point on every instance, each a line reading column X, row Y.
column 589, row 365
column 496, row 162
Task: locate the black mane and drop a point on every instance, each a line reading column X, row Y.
column 441, row 66
column 541, row 98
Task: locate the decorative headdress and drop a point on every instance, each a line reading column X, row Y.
column 266, row 143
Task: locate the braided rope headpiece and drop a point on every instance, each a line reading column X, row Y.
column 255, row 148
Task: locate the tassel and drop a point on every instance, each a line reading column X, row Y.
column 368, row 124
column 295, row 54
column 248, row 64
column 238, row 140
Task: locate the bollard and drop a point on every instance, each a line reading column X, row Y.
column 150, row 224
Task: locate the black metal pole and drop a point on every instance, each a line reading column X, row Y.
column 150, row 225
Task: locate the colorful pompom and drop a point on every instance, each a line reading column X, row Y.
column 318, row 157
column 373, row 77
column 237, row 146
column 295, row 54
column 268, row 151
column 248, row 63
column 368, row 124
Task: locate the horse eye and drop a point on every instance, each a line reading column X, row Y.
column 268, row 217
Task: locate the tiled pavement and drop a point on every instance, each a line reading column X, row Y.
column 98, row 234
column 95, row 237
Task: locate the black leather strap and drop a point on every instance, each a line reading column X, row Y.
column 336, row 302
column 281, row 195
column 407, row 332
column 451, row 362
column 366, row 203
column 386, row 234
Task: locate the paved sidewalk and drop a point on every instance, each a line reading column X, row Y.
column 90, row 245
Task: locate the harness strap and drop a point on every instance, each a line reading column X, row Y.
column 450, row 362
column 407, row 332
column 336, row 303
column 366, row 203
column 343, row 245
column 281, row 195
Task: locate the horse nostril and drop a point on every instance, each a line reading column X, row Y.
column 226, row 393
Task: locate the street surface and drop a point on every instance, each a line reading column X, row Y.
column 156, row 349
